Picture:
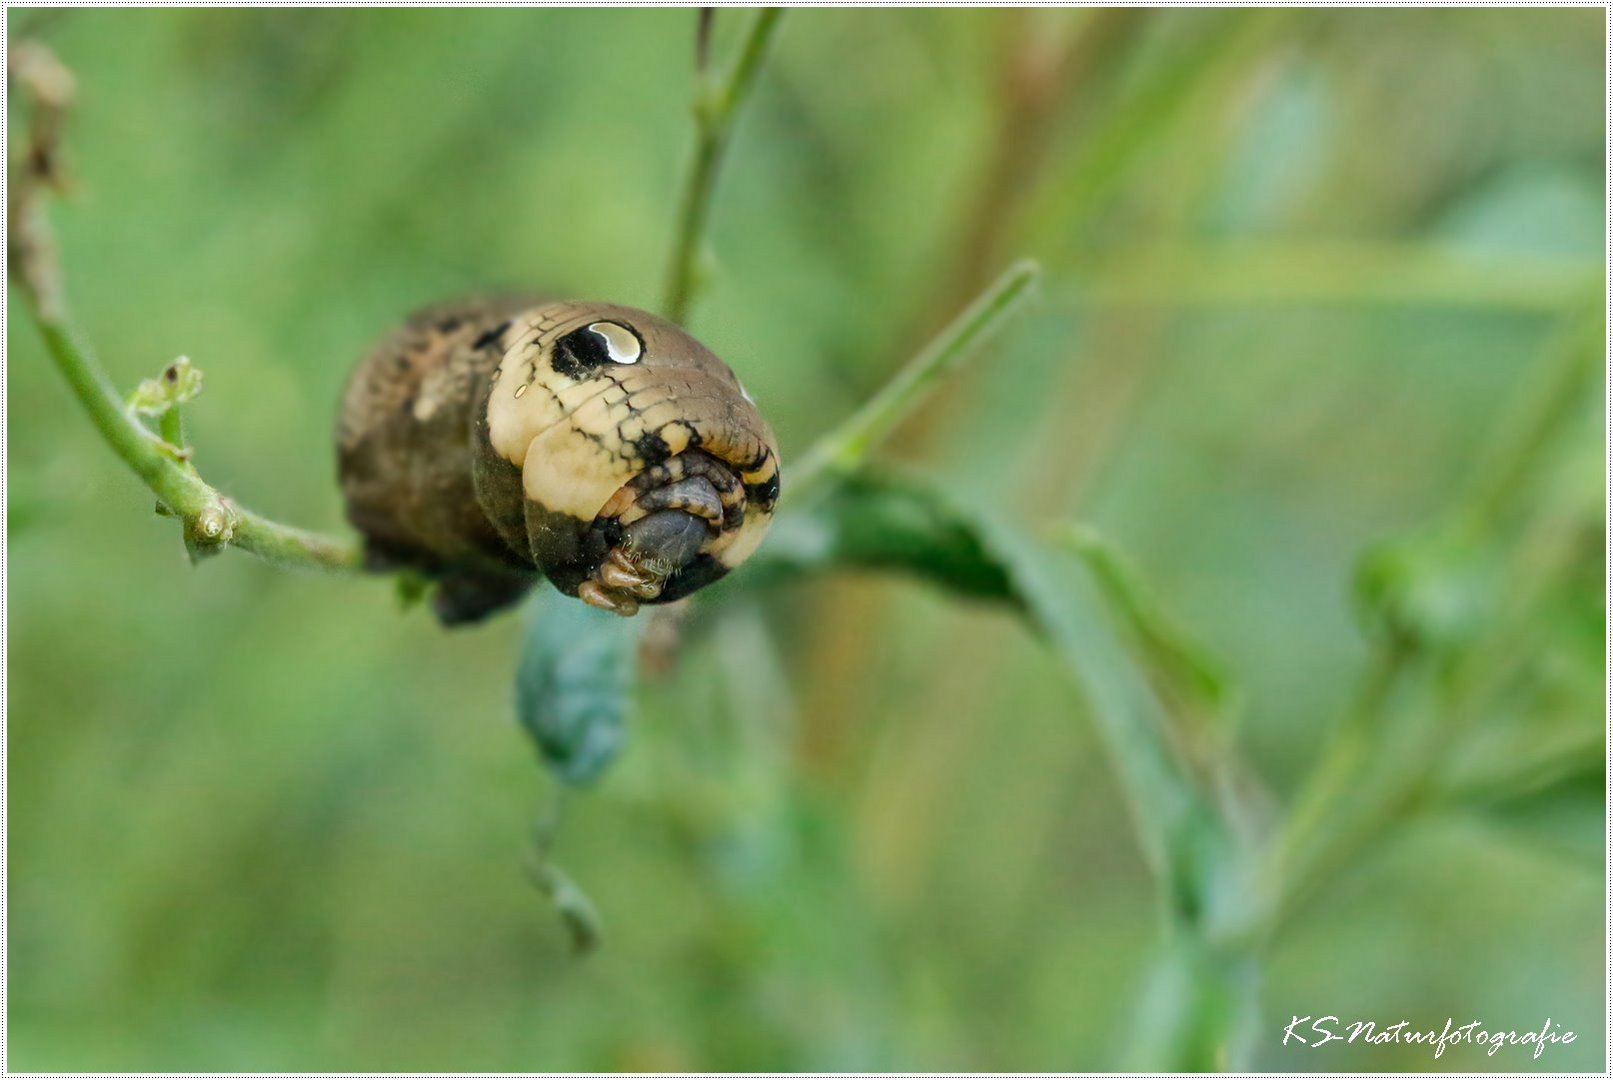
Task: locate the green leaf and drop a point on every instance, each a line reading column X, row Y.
column 574, row 685
column 875, row 520
column 1188, row 677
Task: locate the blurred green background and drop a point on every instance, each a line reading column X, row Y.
column 1300, row 267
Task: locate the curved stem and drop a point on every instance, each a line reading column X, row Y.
column 845, row 447
column 715, row 108
column 211, row 520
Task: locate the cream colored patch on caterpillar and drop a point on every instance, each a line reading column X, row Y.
column 570, row 473
column 677, row 436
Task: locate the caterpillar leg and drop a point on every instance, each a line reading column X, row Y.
column 652, row 549
column 469, row 596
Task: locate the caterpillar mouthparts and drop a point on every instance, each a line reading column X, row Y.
column 490, row 440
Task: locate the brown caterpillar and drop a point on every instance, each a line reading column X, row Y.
column 489, row 440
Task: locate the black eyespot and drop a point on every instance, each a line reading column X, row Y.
column 595, row 345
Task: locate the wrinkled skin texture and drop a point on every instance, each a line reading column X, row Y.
column 489, row 440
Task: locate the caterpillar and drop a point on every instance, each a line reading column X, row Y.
column 488, row 441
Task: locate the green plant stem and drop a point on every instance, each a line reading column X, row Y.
column 716, row 105
column 1344, row 804
column 842, row 449
column 1197, row 1009
column 1571, row 360
column 171, row 426
column 1305, row 844
column 210, row 518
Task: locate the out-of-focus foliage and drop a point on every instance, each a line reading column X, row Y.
column 1303, row 268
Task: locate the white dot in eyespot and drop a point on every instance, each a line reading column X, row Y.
column 621, row 344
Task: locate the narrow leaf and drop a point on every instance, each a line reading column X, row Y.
column 1186, row 674
column 577, row 912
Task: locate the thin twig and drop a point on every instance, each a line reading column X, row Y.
column 211, row 520
column 846, row 446
column 716, row 104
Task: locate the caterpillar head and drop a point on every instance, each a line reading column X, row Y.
column 645, row 470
